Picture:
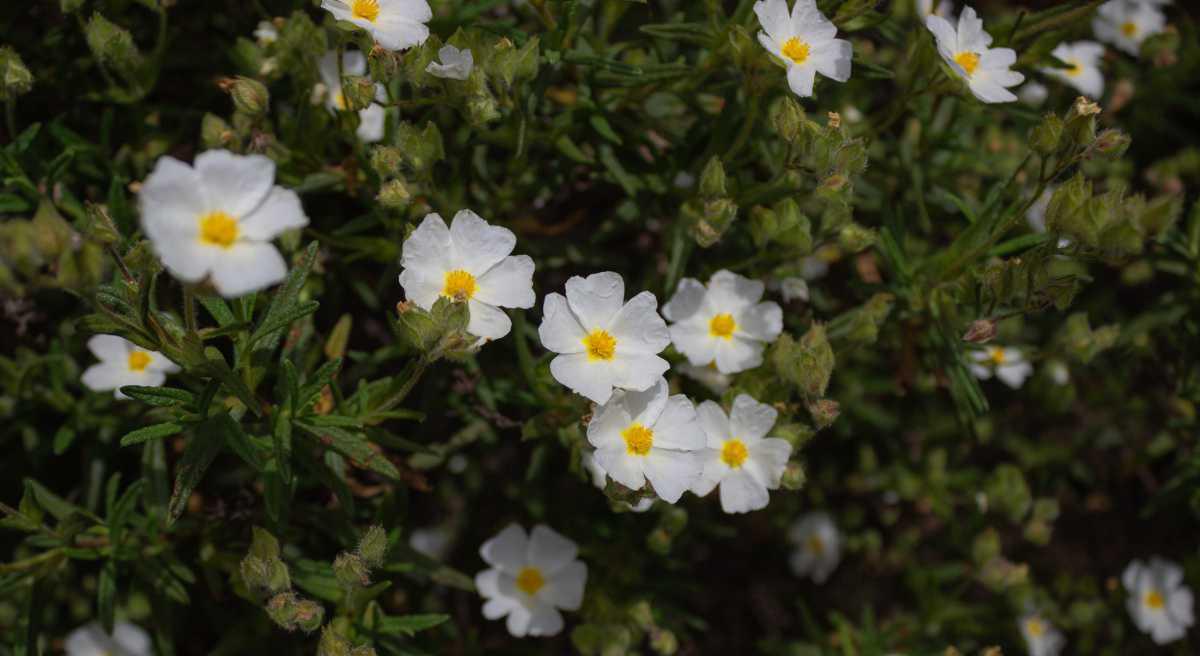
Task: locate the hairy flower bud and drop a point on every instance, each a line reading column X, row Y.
column 373, row 546
column 787, row 117
column 351, row 571
column 824, row 412
column 794, row 476
column 113, row 46
column 712, row 180
column 215, row 132
column 420, row 148
column 15, row 78
column 1080, row 124
column 1046, row 137
column 359, row 92
column 249, row 95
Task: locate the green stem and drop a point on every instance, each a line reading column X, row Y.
column 189, row 309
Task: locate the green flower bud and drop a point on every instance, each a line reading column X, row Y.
column 113, row 46
column 359, row 92
column 807, row 364
column 794, row 476
column 824, row 412
column 386, row 161
column 215, row 132
column 663, row 642
column 15, row 78
column 1158, row 215
column 309, row 615
column 659, row 542
column 482, row 109
column 764, row 225
column 70, row 6
column 351, row 571
column 796, row 434
column 1066, row 215
column 394, row 195
column 373, row 546
column 1046, row 137
column 712, row 180
column 787, row 117
column 854, row 238
column 1008, row 493
column 1080, row 124
column 1111, row 143
column 421, row 149
column 642, row 615
column 794, row 228
column 709, row 220
column 332, row 644
column 249, row 95
column 673, row 520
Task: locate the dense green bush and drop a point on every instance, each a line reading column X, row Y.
column 926, row 383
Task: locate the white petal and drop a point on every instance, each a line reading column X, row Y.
column 245, row 267
column 729, row 292
column 677, row 427
column 506, row 551
column 771, row 458
column 712, row 471
column 596, row 299
column 834, row 59
column 371, row 122
column 428, row 247
column 604, row 430
column 110, row 348
column 644, row 406
column 487, row 583
column 159, row 362
column 132, row 639
column 1014, row 374
column 750, row 420
column 763, row 321
column 638, row 328
column 421, row 288
column 487, row 321
column 671, row 472
column 714, row 423
column 589, row 379
column 478, row 245
column 945, row 33
column 738, row 354
column 413, row 10
column 236, row 184
column 545, row 621
column 497, row 607
column 171, row 200
column 560, row 331
column 565, row 588
column 508, row 284
column 801, row 79
column 548, row 550
column 693, row 340
column 741, row 493
column 105, row 377
column 688, row 300
column 635, row 372
column 622, row 467
column 774, row 17
column 279, row 212
column 519, row 617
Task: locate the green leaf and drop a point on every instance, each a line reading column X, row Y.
column 353, row 446
column 146, row 433
column 284, row 319
column 159, row 396
column 409, row 624
column 203, row 447
column 286, row 298
column 106, row 593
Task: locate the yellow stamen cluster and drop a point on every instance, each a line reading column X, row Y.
column 722, row 326
column 1154, row 599
column 796, row 50
column 1129, row 29
column 459, row 285
column 1035, row 627
column 638, row 439
column 367, row 10
column 600, row 345
column 530, row 580
column 734, row 453
column 998, row 356
column 816, row 545
column 139, row 360
column 968, row 60
column 218, row 229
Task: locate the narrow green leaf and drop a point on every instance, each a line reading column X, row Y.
column 203, row 447
column 146, row 433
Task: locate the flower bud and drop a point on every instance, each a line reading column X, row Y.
column 794, row 476
column 1046, row 137
column 249, row 95
column 100, row 226
column 420, row 149
column 787, row 117
column 394, row 195
column 824, row 412
column 1080, row 124
column 980, row 331
column 15, row 78
column 70, row 6
column 854, row 238
column 373, row 546
column 796, row 434
column 351, row 571
column 215, row 132
column 712, row 180
column 359, row 92
column 1111, row 143
column 1008, row 493
column 1159, row 214
column 659, row 542
column 482, row 109
column 386, row 161
column 332, row 644
column 309, row 615
column 663, row 641
column 113, row 46
column 1066, row 215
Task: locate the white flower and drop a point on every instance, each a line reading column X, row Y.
column 218, row 218
column 804, row 41
column 469, row 261
column 1008, row 364
column 1033, row 93
column 394, row 24
column 600, row 480
column 455, row 65
column 433, row 541
column 739, row 457
column 124, row 363
column 370, row 119
column 818, row 546
column 647, row 435
column 532, row 577
column 1036, row 214
column 965, row 49
column 91, row 640
column 1159, row 602
column 1083, row 59
column 266, row 33
column 602, row 342
column 1040, row 636
column 725, row 323
column 945, row 8
column 707, row 376
column 1127, row 23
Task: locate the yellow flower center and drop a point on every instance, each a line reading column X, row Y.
column 968, row 60
column 139, row 360
column 218, row 229
column 1075, row 69
column 795, row 50
column 367, row 10
column 600, row 345
column 638, row 439
column 530, row 580
column 1035, row 627
column 722, row 326
column 1154, row 599
column 339, row 100
column 459, row 286
column 734, row 453
column 998, row 356
column 816, row 545
column 1129, row 29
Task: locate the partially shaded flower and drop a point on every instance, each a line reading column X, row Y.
column 1040, row 635
column 1127, row 23
column 804, row 41
column 532, row 578
column 1006, row 363
column 818, row 546
column 124, row 363
column 1159, row 602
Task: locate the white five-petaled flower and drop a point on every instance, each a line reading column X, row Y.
column 648, row 435
column 124, row 363
column 818, row 546
column 1041, row 637
column 944, row 8
column 126, row 640
column 1083, row 72
column 1127, row 23
column 394, row 24
column 1159, row 602
column 966, row 49
column 370, row 119
column 724, row 323
column 1006, row 363
column 602, row 341
column 740, row 458
column 804, row 41
column 455, row 65
column 469, row 261
column 217, row 219
column 532, row 577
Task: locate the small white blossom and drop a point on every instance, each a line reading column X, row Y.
column 1033, row 93
column 602, row 341
column 1083, row 72
column 726, row 322
column 966, row 50
column 740, row 458
column 217, row 219
column 265, row 33
column 455, row 65
column 469, row 261
column 1159, row 602
column 804, row 41
column 1041, row 637
column 124, row 363
column 394, row 24
column 126, row 640
column 371, row 119
column 818, row 546
column 648, row 435
column 1127, row 23
column 433, row 541
column 532, row 577
column 1006, row 363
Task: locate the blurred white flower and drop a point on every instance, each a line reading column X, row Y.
column 455, row 65
column 804, row 41
column 433, row 541
column 966, row 49
column 394, row 24
column 1006, row 363
column 602, row 341
column 1127, row 23
column 1041, row 637
column 740, row 458
column 726, row 323
column 266, row 33
column 818, row 546
column 532, row 578
column 468, row 262
column 218, row 219
column 1083, row 59
column 1033, row 93
column 1159, row 602
column 1059, row 372
column 371, row 119
column 814, row 267
column 126, row 640
column 648, row 435
column 945, row 8
column 124, row 363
